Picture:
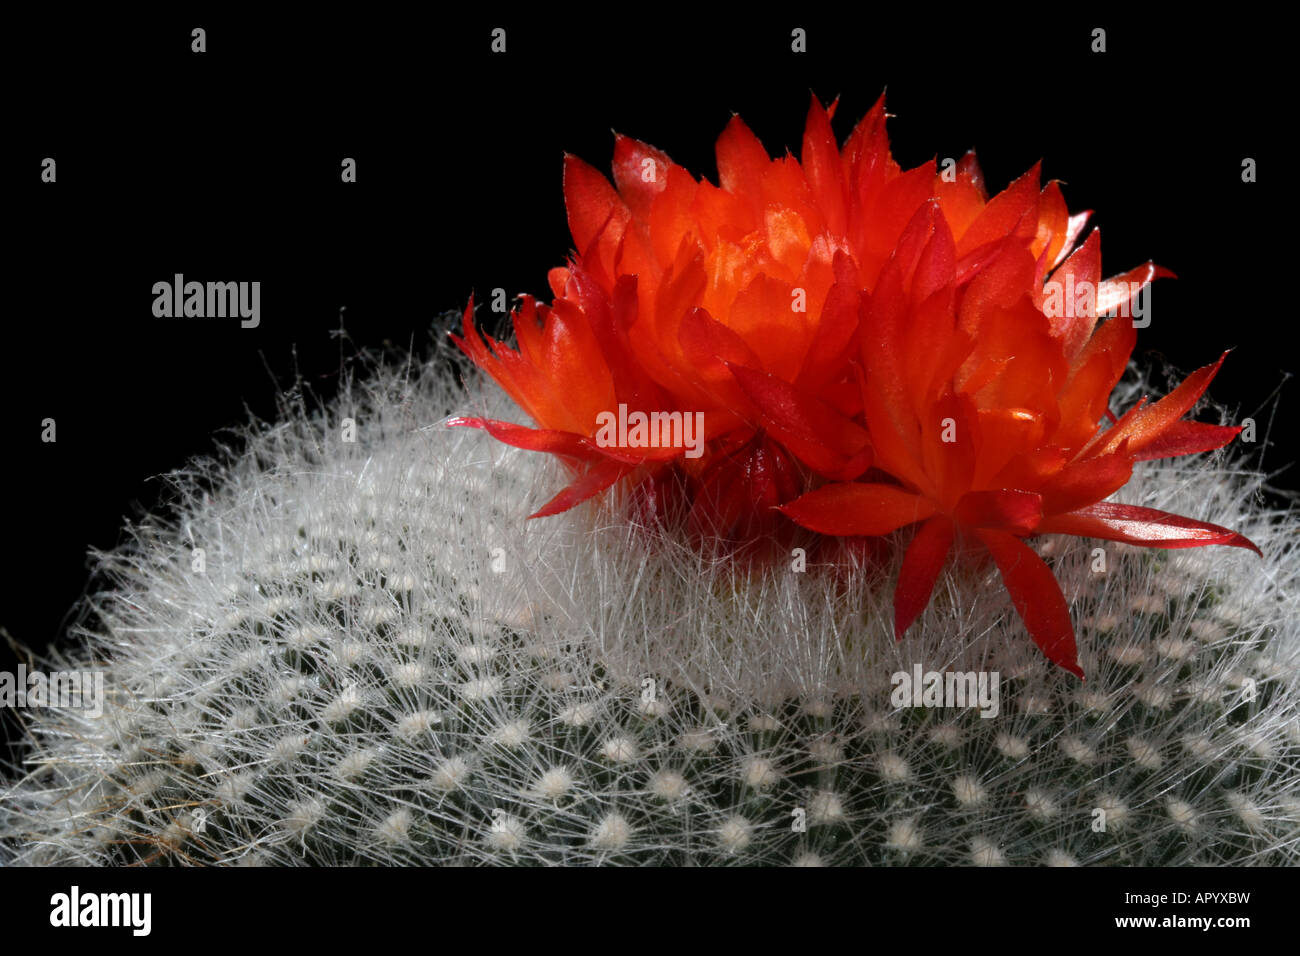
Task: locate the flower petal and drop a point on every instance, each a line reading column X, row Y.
column 857, row 508
column 533, row 439
column 592, row 205
column 1118, row 292
column 1150, row 424
column 821, row 162
column 641, row 174
column 824, row 439
column 592, row 482
column 742, row 160
column 1188, row 438
column 1017, row 512
column 1074, row 229
column 1072, row 304
column 922, row 562
column 1037, row 597
column 1010, row 212
column 555, row 442
column 1085, row 482
column 1144, row 526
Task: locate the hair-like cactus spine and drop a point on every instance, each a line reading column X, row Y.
column 381, row 661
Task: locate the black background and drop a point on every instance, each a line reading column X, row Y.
column 225, row 166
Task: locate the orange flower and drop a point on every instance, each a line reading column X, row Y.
column 983, row 406
column 739, row 302
column 835, row 319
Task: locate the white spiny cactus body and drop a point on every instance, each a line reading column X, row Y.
column 383, row 662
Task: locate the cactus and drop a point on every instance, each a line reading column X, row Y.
column 380, row 661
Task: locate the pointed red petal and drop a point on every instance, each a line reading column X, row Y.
column 820, row 158
column 857, row 508
column 640, row 172
column 922, row 563
column 1086, row 482
column 969, row 167
column 1073, row 231
column 595, row 480
column 1118, row 292
column 1188, row 438
column 556, row 442
column 836, row 336
column 1053, row 226
column 608, row 318
column 707, row 345
column 823, row 438
column 1145, row 526
column 1018, row 512
column 1081, row 272
column 546, row 440
column 1037, row 597
column 1012, row 210
column 742, row 160
column 590, row 202
column 1149, row 425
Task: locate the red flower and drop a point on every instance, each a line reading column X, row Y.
column 821, row 318
column 983, row 406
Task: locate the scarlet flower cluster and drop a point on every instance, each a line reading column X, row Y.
column 863, row 347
